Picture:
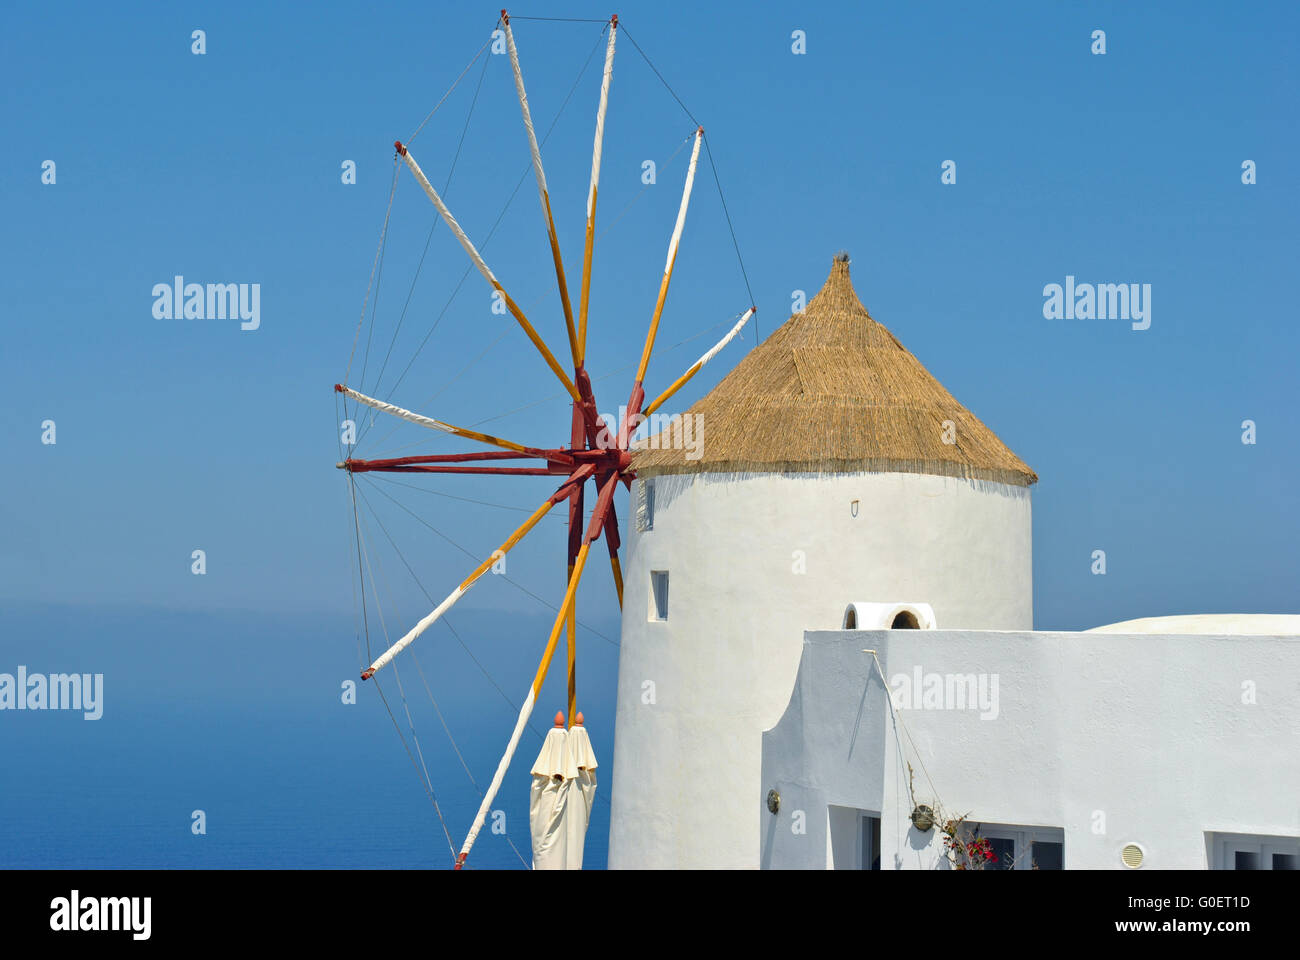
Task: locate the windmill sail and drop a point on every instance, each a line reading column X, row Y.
column 563, row 791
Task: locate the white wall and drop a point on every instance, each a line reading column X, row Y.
column 1148, row 732
column 687, row 767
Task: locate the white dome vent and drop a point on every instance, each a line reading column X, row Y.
column 864, row 615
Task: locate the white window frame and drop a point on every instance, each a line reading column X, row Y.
column 1022, row 837
column 645, row 505
column 864, row 819
column 1226, row 846
column 653, row 613
column 847, row 837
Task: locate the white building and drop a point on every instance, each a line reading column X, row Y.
column 834, row 467
column 826, row 479
column 1141, row 745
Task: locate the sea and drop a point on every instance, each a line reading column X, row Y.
column 228, row 741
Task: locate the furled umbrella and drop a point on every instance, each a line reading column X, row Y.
column 581, row 793
column 553, row 776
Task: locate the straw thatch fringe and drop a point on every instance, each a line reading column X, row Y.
column 741, row 469
column 832, row 391
column 670, row 486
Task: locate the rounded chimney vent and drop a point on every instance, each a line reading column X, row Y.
column 895, row 615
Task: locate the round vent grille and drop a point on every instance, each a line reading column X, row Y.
column 1132, row 855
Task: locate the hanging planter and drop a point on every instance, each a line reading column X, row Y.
column 922, row 818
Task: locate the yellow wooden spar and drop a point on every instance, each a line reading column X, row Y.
column 386, row 657
column 526, row 711
column 483, row 268
column 699, row 364
column 597, row 147
column 509, row 543
column 618, row 576
column 433, row 424
column 543, row 193
column 672, row 258
column 579, row 562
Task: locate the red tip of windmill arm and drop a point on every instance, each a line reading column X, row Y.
column 614, row 19
column 700, row 132
column 339, row 388
column 460, row 860
column 400, row 149
column 505, row 16
column 367, row 674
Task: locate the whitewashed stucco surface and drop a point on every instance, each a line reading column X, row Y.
column 1157, row 735
column 687, row 765
column 1233, row 624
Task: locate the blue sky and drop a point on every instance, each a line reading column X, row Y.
column 176, row 435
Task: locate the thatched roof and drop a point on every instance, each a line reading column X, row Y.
column 833, row 391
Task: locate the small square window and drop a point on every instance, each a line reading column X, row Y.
column 658, row 594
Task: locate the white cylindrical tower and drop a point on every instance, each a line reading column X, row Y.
column 829, row 467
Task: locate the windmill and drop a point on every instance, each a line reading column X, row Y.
column 597, row 455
